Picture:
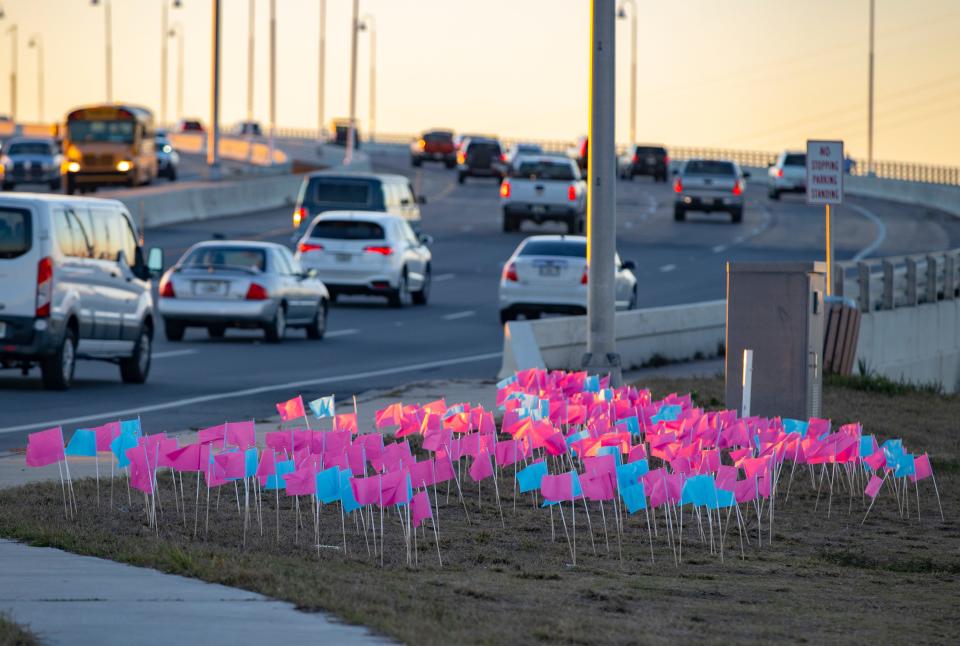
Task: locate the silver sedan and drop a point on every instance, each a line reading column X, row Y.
column 236, row 283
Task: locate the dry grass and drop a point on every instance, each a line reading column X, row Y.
column 822, row 579
column 12, row 634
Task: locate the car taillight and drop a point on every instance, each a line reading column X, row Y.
column 44, row 286
column 257, row 292
column 304, row 247
column 299, row 216
column 510, row 273
column 505, row 188
column 166, row 288
column 636, row 158
column 572, row 193
column 503, row 158
column 666, row 160
column 737, row 187
column 383, row 251
column 779, row 172
column 586, row 273
column 461, row 157
column 677, row 186
column 421, row 144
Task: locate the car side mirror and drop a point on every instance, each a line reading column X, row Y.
column 155, row 261
column 425, row 239
column 421, row 199
column 629, row 264
column 746, row 175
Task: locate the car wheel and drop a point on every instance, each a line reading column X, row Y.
column 174, row 330
column 216, row 331
column 506, row 316
column 172, row 174
column 679, row 213
column 7, row 186
column 277, row 328
column 450, row 164
column 401, row 295
column 421, row 297
column 416, row 163
column 135, row 368
column 56, row 371
column 634, row 300
column 318, row 327
column 736, row 215
column 572, row 226
column 68, row 186
column 460, row 178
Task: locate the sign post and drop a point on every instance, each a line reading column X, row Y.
column 825, row 186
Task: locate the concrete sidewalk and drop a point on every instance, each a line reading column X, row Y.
column 68, row 599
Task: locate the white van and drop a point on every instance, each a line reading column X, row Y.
column 74, row 284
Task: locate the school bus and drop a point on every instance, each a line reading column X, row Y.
column 108, row 145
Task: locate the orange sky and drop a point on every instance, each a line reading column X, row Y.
column 733, row 73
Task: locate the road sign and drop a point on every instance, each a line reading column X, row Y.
column 824, row 172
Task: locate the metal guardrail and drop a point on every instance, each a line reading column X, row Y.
column 900, row 281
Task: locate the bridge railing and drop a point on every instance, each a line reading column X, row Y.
column 900, row 281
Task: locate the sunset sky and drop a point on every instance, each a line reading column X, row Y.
column 756, row 74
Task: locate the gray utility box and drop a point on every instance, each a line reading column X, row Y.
column 776, row 309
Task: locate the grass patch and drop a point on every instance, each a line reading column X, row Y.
column 13, row 634
column 823, row 578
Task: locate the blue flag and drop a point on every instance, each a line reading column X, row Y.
column 131, row 426
column 323, row 407
column 283, row 468
column 328, row 485
column 530, row 477
column 667, row 413
column 119, row 446
column 83, row 442
column 592, row 384
column 347, row 499
column 251, row 459
column 634, row 497
column 795, row 426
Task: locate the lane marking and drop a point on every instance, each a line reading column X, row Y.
column 720, row 248
column 466, row 228
column 458, row 315
column 171, row 353
column 439, row 278
column 881, row 232
column 246, row 392
column 347, row 332
column 667, row 268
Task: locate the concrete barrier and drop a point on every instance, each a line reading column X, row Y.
column 919, row 344
column 674, row 333
column 936, row 196
column 249, row 151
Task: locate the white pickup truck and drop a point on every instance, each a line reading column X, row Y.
column 544, row 188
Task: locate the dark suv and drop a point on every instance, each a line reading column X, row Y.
column 652, row 161
column 480, row 157
column 435, row 145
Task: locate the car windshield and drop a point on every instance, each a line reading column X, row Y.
column 438, row 138
column 650, row 150
column 708, row 167
column 483, row 147
column 546, row 170
column 215, row 257
column 529, row 149
column 565, row 248
column 29, row 148
column 347, row 230
column 340, row 191
column 14, row 232
column 795, row 159
column 118, row 132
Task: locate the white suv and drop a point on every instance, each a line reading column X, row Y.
column 364, row 252
column 73, row 284
column 787, row 175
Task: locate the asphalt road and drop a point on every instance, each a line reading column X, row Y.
column 202, row 381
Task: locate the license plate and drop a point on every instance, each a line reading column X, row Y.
column 549, row 270
column 3, row 330
column 343, row 257
column 209, row 288
column 538, row 208
column 651, row 160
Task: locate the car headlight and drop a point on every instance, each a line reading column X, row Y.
column 123, row 166
column 73, row 167
column 167, row 148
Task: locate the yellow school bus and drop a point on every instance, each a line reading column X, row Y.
column 108, row 145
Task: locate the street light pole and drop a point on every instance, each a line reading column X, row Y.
column 354, row 28
column 870, row 96
column 164, row 55
column 370, row 24
column 633, row 65
column 322, row 53
column 108, row 42
column 251, row 15
column 37, row 42
column 213, row 143
column 601, row 356
column 273, row 73
column 13, row 31
column 177, row 30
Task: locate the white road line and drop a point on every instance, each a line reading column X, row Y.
column 171, row 353
column 666, row 268
column 347, row 332
column 246, row 392
column 881, row 232
column 458, row 315
column 720, row 248
column 439, row 278
column 467, row 228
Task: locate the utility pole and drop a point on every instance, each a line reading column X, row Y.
column 870, row 96
column 14, row 34
column 633, row 65
column 213, row 139
column 37, row 42
column 177, row 30
column 322, row 45
column 370, row 25
column 165, row 55
column 251, row 15
column 354, row 28
column 601, row 356
column 273, row 74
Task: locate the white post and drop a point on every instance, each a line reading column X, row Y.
column 747, row 382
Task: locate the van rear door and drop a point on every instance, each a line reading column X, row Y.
column 19, row 255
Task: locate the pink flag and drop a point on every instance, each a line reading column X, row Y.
column 389, row 416
column 230, row 466
column 443, row 471
column 185, row 458
column 421, row 473
column 637, row 452
column 557, row 488
column 481, row 469
column 346, row 422
column 921, row 467
column 291, row 409
column 873, row 487
column 420, row 507
column 366, row 491
column 241, row 434
column 268, row 464
column 212, row 434
column 302, row 482
column 875, row 460
column 106, row 434
column 506, row 452
column 141, row 469
column 45, row 447
column 745, row 490
column 597, row 485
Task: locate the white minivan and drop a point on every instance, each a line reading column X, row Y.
column 74, row 284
